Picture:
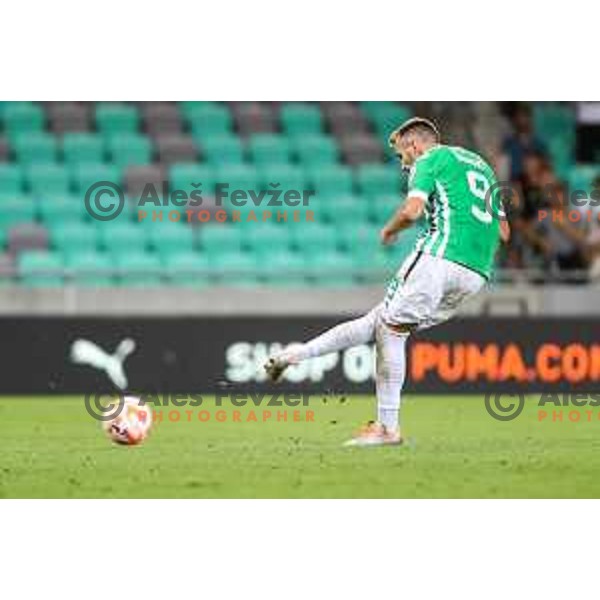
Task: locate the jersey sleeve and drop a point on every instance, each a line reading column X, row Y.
column 421, row 183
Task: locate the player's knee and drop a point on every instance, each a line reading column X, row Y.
column 398, row 328
column 401, row 328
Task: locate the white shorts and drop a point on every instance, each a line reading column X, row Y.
column 428, row 290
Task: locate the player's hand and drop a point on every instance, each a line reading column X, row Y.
column 387, row 236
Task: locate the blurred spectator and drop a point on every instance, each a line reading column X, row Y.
column 582, row 234
column 527, row 199
column 521, row 142
column 564, row 238
column 592, row 241
column 536, row 175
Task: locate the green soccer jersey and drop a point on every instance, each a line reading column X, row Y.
column 462, row 224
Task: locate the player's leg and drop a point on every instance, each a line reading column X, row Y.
column 430, row 295
column 345, row 335
column 389, row 379
column 413, row 300
column 390, row 373
column 342, row 336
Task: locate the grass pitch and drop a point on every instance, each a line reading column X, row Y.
column 51, row 448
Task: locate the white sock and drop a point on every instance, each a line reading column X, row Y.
column 391, row 370
column 345, row 335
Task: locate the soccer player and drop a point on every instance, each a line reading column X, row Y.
column 451, row 262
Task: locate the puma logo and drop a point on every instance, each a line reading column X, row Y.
column 84, row 352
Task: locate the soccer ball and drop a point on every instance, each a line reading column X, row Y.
column 132, row 425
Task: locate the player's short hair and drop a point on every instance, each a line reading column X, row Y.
column 417, row 125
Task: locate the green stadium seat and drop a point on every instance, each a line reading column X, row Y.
column 221, row 238
column 117, row 118
column 48, row 179
column 386, row 116
column 551, row 119
column 406, row 242
column 74, row 238
column 301, row 119
column 266, row 150
column 265, row 237
column 333, row 269
column 377, row 265
column 378, row 180
column 239, row 177
column 345, row 209
column 562, row 152
column 206, row 119
column 245, row 217
column 86, row 175
column 188, row 269
column 92, row 269
column 6, row 105
column 364, row 241
column 22, row 118
column 148, row 224
column 331, row 181
column 171, row 238
column 11, row 179
column 283, row 268
column 361, row 239
column 372, row 107
column 138, row 269
column 288, row 177
column 235, row 269
column 183, row 175
column 121, row 237
column 189, row 107
column 35, row 148
column 223, row 149
column 315, row 150
column 56, row 211
column 15, row 210
column 382, row 207
column 129, row 149
column 82, row 148
column 581, row 177
column 132, row 212
column 313, row 238
column 40, row 269
column 365, row 249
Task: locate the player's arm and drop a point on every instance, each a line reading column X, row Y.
column 421, row 185
column 410, row 211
